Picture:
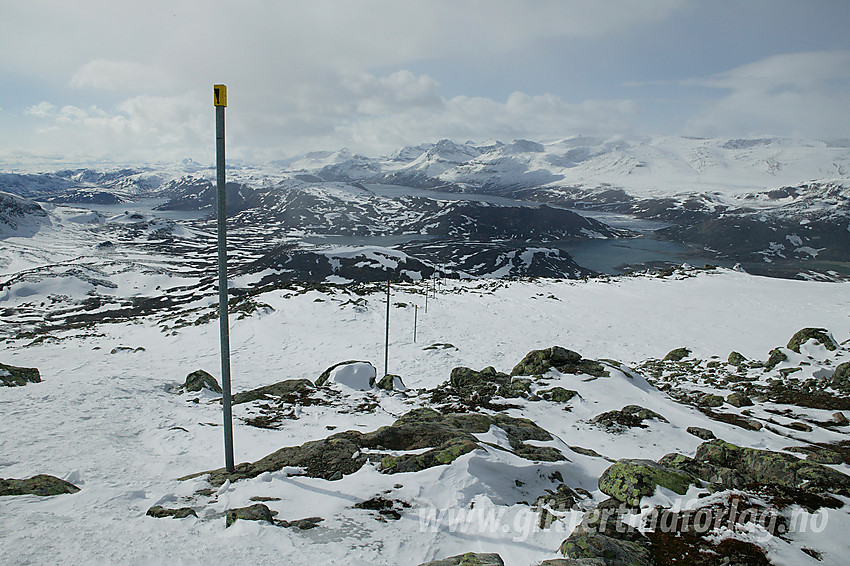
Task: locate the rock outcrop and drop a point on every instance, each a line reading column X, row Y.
column 13, row 376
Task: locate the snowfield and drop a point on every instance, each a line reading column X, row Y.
column 107, row 418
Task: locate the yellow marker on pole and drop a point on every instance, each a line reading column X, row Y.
column 219, row 95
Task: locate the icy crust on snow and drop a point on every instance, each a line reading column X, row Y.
column 109, row 423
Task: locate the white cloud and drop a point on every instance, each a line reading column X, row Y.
column 797, row 94
column 124, row 76
column 43, row 109
column 370, row 114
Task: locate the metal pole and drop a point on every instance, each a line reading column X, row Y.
column 220, row 101
column 427, row 292
column 415, row 316
column 387, row 341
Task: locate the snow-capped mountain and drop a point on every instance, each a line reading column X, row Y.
column 774, row 205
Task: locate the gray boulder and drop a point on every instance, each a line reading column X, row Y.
column 290, row 389
column 630, row 416
column 159, row 512
column 630, row 480
column 256, row 512
column 199, row 379
column 819, row 335
column 468, row 559
column 538, row 362
column 677, row 355
column 13, row 376
column 737, row 399
column 42, row 485
column 700, row 432
column 603, row 538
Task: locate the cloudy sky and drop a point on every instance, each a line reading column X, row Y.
column 131, row 81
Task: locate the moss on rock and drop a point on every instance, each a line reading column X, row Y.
column 629, row 480
column 775, row 468
column 539, row 362
column 283, row 389
column 775, row 357
column 200, row 379
column 468, row 559
column 388, row 382
column 737, row 399
column 711, row 400
column 557, row 394
column 819, row 335
column 159, row 512
column 256, row 512
column 627, row 417
column 447, row 436
column 42, row 485
column 677, row 355
column 13, row 376
column 736, row 359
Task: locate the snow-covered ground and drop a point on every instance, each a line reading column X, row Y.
column 105, row 417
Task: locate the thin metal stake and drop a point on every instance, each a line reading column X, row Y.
column 387, row 341
column 220, row 101
column 415, row 316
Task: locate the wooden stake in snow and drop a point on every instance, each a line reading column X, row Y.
column 220, row 102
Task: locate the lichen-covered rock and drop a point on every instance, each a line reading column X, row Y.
column 819, row 335
column 599, row 537
column 482, row 385
column 159, row 512
column 717, row 476
column 628, row 417
column 290, row 389
column 825, row 456
column 557, row 394
column 561, row 499
column 391, row 382
column 468, row 559
column 677, row 355
column 840, row 419
column 629, row 480
column 448, row 437
column 446, row 453
column 840, row 380
column 302, row 524
column 700, row 432
column 573, row 562
column 13, row 376
column 199, row 379
column 256, row 512
column 736, row 358
column 711, row 400
column 767, row 467
column 801, row 426
column 539, row 362
column 737, row 399
column 774, row 358
column 42, row 485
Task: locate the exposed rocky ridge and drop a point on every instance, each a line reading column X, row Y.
column 446, row 436
column 42, row 485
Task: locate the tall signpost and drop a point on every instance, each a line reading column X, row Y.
column 220, row 102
